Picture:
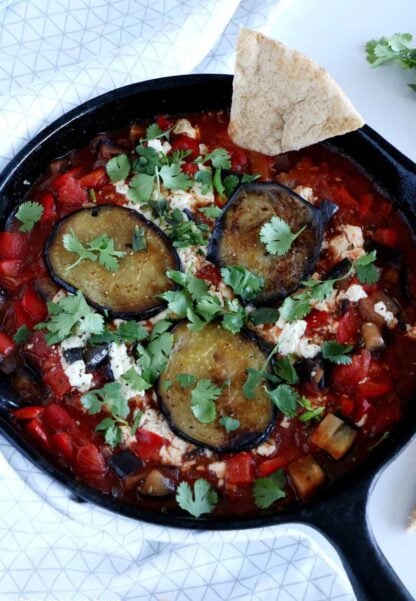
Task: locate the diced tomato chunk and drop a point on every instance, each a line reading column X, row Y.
column 49, row 209
column 148, row 444
column 240, row 469
column 347, row 406
column 28, row 412
column 7, row 344
column 189, row 168
column 348, row 327
column 21, row 317
column 56, row 417
column 34, row 306
column 97, row 177
column 362, row 407
column 347, row 376
column 209, row 272
column 89, row 461
column 62, row 442
column 13, row 245
column 10, row 267
column 164, row 122
column 57, row 380
column 373, row 388
column 183, row 142
column 315, row 320
column 69, row 190
column 385, row 236
column 36, row 429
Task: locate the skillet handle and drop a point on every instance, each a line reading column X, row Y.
column 343, row 520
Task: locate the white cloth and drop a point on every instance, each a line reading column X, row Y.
column 55, row 54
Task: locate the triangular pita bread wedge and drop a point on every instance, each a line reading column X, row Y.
column 282, row 100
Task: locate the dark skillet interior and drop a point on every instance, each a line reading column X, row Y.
column 393, row 173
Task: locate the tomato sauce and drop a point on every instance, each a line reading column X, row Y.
column 371, row 393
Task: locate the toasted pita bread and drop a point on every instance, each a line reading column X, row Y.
column 282, row 100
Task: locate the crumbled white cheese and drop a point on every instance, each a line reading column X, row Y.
column 218, row 468
column 191, row 260
column 76, row 374
column 183, row 126
column 75, row 341
column 354, row 293
column 203, row 149
column 121, row 187
column 120, row 362
column 267, row 448
column 348, row 243
column 163, row 147
column 172, row 453
column 307, row 193
column 381, row 309
column 291, row 340
column 411, row 331
column 179, row 199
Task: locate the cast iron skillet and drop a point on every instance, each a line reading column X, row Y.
column 340, row 513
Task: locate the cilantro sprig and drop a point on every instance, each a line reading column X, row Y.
column 277, row 236
column 269, row 489
column 393, row 49
column 203, row 398
column 29, row 213
column 69, row 313
column 200, row 499
column 242, row 281
column 100, row 248
column 336, row 352
column 128, row 331
column 118, row 168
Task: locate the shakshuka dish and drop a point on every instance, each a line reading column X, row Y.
column 195, row 327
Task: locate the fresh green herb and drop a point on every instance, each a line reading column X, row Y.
column 336, row 352
column 393, row 49
column 254, row 377
column 141, row 188
column 135, row 380
column 128, row 331
column 28, row 214
column 249, row 177
column 286, row 371
column 137, row 418
column 270, row 489
column 66, row 314
column 212, row 212
column 277, row 236
column 220, row 158
column 186, row 380
column 148, row 162
column 203, row 398
column 299, row 304
column 217, row 181
column 310, row 413
column 154, row 131
column 154, row 357
column 234, row 316
column 264, row 315
column 22, row 335
column 91, row 194
column 118, row 168
column 204, row 178
column 185, row 232
column 202, row 499
column 285, row 398
column 174, row 178
column 108, row 398
column 229, row 423
column 230, row 183
column 365, row 269
column 139, row 239
column 167, row 384
column 242, row 281
column 101, row 248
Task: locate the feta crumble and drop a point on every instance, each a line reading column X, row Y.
column 183, row 126
column 354, row 293
column 381, row 309
column 348, row 243
column 291, row 340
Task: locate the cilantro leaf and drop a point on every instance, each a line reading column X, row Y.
column 230, row 182
column 174, row 178
column 186, row 380
column 285, row 398
column 203, row 398
column 229, row 423
column 217, row 181
column 204, row 178
column 212, row 211
column 72, row 244
column 133, row 379
column 366, row 271
column 108, row 398
column 113, row 434
column 148, row 162
column 234, row 316
column 248, row 178
column 154, row 131
column 264, row 315
column 254, row 377
column 242, row 281
column 154, row 358
column 131, row 331
column 141, row 188
column 139, row 239
column 185, row 232
column 137, row 418
column 202, row 499
column 91, row 402
column 336, row 352
column 285, row 369
column 28, row 214
column 108, row 256
column 22, row 335
column 118, row 168
column 220, row 158
column 269, row 489
column 294, row 308
column 66, row 314
column 310, row 413
column 277, row 236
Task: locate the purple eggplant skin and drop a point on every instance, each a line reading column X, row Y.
column 95, row 355
column 235, row 240
column 125, row 463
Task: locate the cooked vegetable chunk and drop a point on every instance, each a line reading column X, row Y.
column 333, row 436
column 132, row 284
column 206, row 373
column 237, row 238
column 306, row 475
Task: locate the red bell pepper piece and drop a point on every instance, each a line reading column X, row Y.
column 186, row 143
column 57, row 380
column 95, row 178
column 36, row 429
column 164, row 122
column 271, row 465
column 240, row 469
column 20, row 316
column 148, row 444
column 34, row 306
column 347, row 376
column 348, row 327
column 386, row 236
column 374, row 388
column 344, row 199
column 13, row 245
column 28, row 412
column 56, row 417
column 68, row 189
column 62, row 442
column 189, row 168
column 7, row 344
column 49, row 209
column 89, row 461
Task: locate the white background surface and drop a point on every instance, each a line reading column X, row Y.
column 333, row 32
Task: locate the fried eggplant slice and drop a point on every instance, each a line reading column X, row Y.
column 221, row 357
column 132, row 289
column 236, row 237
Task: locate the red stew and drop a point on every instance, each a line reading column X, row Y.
column 365, row 397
